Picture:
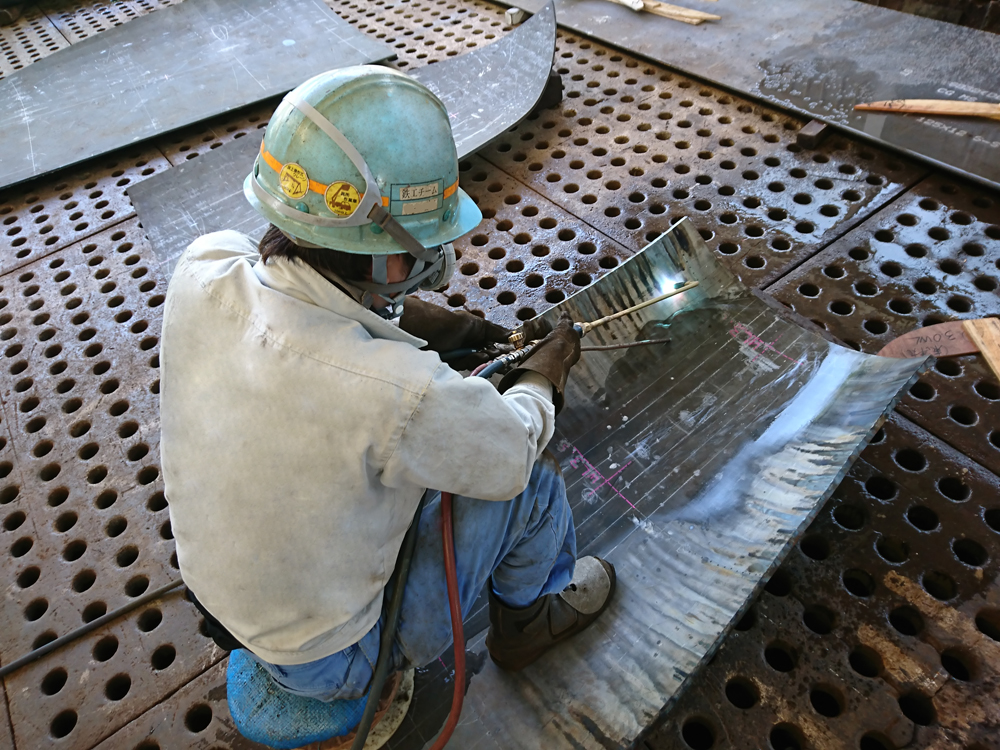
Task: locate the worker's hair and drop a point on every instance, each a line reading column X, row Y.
column 349, row 266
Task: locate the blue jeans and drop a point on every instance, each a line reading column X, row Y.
column 526, row 546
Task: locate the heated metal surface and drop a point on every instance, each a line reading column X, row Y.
column 181, row 65
column 486, row 91
column 823, row 56
column 421, row 32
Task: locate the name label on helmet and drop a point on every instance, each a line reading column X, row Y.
column 418, row 192
column 342, row 198
column 293, row 180
column 422, row 198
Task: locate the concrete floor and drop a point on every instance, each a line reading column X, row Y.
column 881, row 630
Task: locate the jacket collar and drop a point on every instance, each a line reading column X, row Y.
column 299, row 280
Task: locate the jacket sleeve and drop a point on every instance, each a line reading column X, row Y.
column 465, row 438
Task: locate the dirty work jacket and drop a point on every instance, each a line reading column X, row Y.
column 299, row 431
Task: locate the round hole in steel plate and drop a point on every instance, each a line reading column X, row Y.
column 954, row 489
column 698, row 734
column 819, row 619
column 163, row 657
column 742, row 692
column 918, row 708
column 940, row 585
column 815, row 547
column 906, row 620
column 970, row 552
column 850, row 517
column 858, row 582
column 198, row 717
column 786, row 736
column 922, row 518
column 780, row 656
column 865, row 661
column 63, row 723
column 893, row 551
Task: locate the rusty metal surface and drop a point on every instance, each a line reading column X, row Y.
column 819, row 58
column 196, row 717
column 79, row 382
column 634, row 147
column 84, row 523
column 526, row 256
column 78, row 20
column 858, row 635
column 77, row 696
column 49, row 214
column 29, row 39
column 6, row 729
column 932, row 255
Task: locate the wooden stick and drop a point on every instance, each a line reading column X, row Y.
column 673, row 12
column 677, row 13
column 934, row 107
column 985, row 333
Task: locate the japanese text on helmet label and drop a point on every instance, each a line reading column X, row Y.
column 417, row 192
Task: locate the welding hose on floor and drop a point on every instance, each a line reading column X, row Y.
column 392, row 621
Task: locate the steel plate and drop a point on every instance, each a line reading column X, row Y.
column 163, row 71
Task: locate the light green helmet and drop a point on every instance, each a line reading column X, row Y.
column 362, row 160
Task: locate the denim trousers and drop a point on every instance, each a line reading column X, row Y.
column 525, row 546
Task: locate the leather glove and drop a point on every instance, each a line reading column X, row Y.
column 536, row 329
column 553, row 358
column 447, row 330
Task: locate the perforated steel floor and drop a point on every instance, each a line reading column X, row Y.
column 881, row 631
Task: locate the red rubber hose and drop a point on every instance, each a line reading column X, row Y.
column 458, row 635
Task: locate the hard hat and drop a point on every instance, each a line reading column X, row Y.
column 362, row 160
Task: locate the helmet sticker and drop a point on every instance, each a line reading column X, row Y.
column 293, row 180
column 342, row 198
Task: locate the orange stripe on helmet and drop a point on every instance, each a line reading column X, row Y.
column 450, row 190
column 319, row 187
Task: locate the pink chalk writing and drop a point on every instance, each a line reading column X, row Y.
column 754, row 341
column 591, row 472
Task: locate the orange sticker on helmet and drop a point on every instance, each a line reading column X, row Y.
column 293, row 180
column 342, row 198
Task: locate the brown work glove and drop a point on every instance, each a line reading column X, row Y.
column 536, row 329
column 448, row 330
column 553, row 358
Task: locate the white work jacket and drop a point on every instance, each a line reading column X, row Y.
column 299, row 431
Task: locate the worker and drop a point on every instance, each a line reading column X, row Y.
column 301, row 425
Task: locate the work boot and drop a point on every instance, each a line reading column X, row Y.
column 518, row 637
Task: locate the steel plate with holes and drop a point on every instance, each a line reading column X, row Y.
column 691, row 465
column 820, row 57
column 933, row 255
column 163, row 71
column 485, row 91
